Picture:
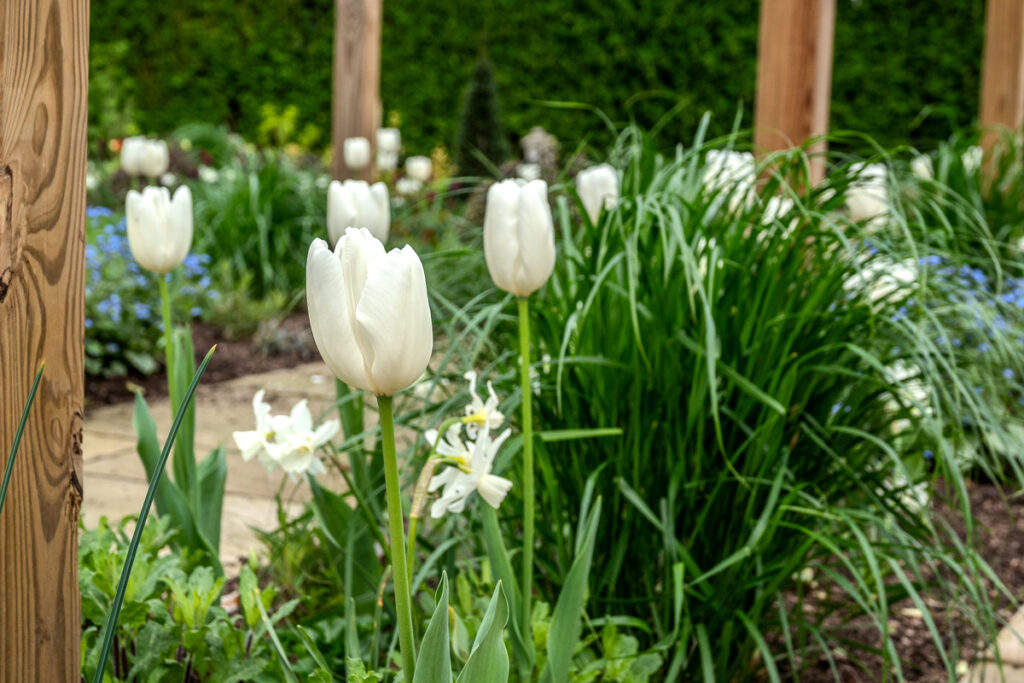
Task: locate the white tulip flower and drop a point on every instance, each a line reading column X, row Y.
column 528, row 172
column 357, row 204
column 598, row 188
column 519, row 236
column 357, row 153
column 389, row 140
column 867, row 197
column 369, row 312
column 131, row 154
column 922, row 168
column 473, row 473
column 419, row 168
column 407, row 186
column 154, row 158
column 387, row 161
column 159, row 228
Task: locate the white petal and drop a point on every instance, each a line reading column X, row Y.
column 332, row 315
column 394, row 314
column 442, row 479
column 501, row 238
column 382, row 224
column 341, row 212
column 179, row 220
column 302, row 420
column 493, row 489
column 248, row 442
column 536, row 239
column 325, row 433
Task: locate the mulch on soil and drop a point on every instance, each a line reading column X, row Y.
column 281, row 344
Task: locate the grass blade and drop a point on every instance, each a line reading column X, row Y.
column 17, row 436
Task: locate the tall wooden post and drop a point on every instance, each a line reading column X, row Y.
column 794, row 75
column 356, row 94
column 1002, row 72
column 44, row 47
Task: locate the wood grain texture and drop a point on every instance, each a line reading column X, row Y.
column 794, row 75
column 355, row 110
column 43, row 82
column 1002, row 71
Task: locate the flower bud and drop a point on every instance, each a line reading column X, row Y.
column 598, row 187
column 357, row 153
column 519, row 236
column 418, row 168
column 357, row 204
column 159, row 228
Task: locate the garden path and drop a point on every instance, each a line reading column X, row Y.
column 115, row 481
column 1011, row 651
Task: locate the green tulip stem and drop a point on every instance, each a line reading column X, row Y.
column 165, row 298
column 528, row 494
column 403, row 600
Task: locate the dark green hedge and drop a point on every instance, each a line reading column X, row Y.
column 905, row 70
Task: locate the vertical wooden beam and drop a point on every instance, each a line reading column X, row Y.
column 1002, row 72
column 794, row 75
column 356, row 93
column 44, row 47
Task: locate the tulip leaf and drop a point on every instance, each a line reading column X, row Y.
column 488, row 659
column 347, row 531
column 566, row 620
column 184, row 462
column 434, row 662
column 212, row 473
column 552, row 435
column 502, row 567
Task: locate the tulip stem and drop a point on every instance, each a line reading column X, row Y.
column 165, row 299
column 528, row 494
column 403, row 600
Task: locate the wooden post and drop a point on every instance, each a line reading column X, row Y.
column 356, row 95
column 44, row 48
column 1002, row 72
column 794, row 76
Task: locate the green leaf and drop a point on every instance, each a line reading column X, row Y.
column 553, row 435
column 565, row 627
column 184, row 463
column 434, row 662
column 212, row 473
column 488, row 660
column 502, row 566
column 9, row 468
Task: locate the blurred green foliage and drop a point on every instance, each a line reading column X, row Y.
column 904, row 71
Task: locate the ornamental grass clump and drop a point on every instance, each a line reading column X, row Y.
column 783, row 404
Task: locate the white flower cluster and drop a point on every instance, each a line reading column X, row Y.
column 285, row 441
column 470, row 461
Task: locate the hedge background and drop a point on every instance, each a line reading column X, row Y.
column 905, row 71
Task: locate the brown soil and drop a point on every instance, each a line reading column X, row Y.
column 999, row 527
column 277, row 345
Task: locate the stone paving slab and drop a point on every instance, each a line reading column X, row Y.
column 115, row 482
column 1010, row 642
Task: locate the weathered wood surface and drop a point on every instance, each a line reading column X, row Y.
column 356, row 94
column 1002, row 71
column 43, row 88
column 794, row 75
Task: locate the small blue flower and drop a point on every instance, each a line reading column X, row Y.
column 957, row 343
column 928, row 455
column 1008, row 373
column 143, row 311
column 88, row 323
column 837, row 407
column 97, row 212
column 984, row 347
column 195, row 312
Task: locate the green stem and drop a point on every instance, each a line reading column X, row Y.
column 403, row 600
column 528, row 494
column 165, row 299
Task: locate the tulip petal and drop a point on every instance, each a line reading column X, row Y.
column 180, row 225
column 341, row 211
column 332, row 315
column 394, row 314
column 536, row 237
column 501, row 245
column 382, row 227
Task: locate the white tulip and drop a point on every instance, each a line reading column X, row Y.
column 389, row 140
column 159, row 228
column 154, row 158
column 867, row 197
column 369, row 312
column 921, row 167
column 408, row 186
column 357, row 204
column 131, row 155
column 598, row 187
column 528, row 171
column 519, row 236
column 418, row 168
column 357, row 153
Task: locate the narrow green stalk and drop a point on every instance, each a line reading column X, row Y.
column 17, row 436
column 528, row 494
column 115, row 609
column 403, row 600
column 165, row 300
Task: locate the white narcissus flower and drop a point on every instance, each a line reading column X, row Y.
column 480, row 412
column 298, row 444
column 519, row 236
column 972, row 158
column 882, row 277
column 159, row 228
column 867, row 197
column 368, row 311
column 253, row 443
column 598, row 188
column 357, row 204
column 131, row 154
column 154, row 158
column 472, row 474
column 419, row 168
column 389, row 140
column 356, row 153
column 407, row 186
column 922, row 168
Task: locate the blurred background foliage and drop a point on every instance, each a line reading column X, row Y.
column 904, row 71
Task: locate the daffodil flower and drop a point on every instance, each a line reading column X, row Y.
column 479, row 412
column 285, row 441
column 475, row 475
